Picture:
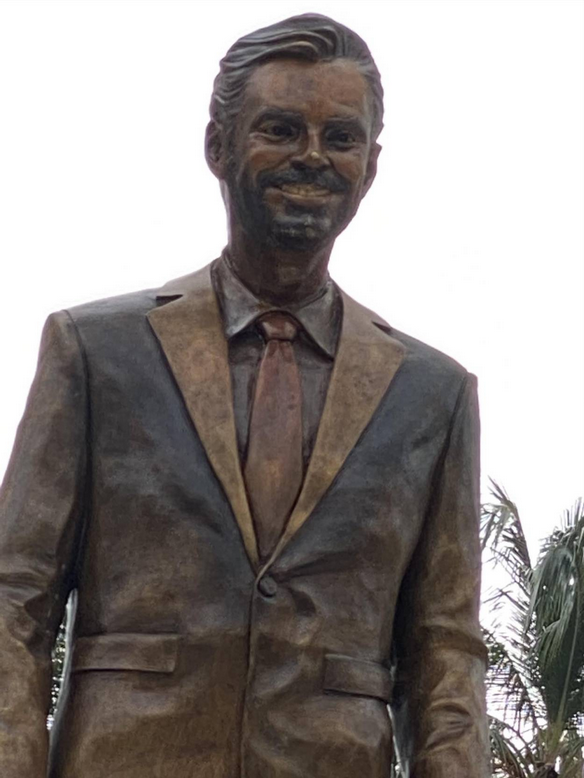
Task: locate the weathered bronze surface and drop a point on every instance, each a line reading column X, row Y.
column 192, row 653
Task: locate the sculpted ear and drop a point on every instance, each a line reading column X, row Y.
column 371, row 168
column 215, row 149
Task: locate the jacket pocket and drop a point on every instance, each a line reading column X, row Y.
column 357, row 676
column 126, row 651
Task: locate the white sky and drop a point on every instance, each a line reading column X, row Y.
column 471, row 238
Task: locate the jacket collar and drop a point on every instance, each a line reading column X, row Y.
column 240, row 308
column 189, row 328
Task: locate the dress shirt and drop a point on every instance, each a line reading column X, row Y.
column 314, row 347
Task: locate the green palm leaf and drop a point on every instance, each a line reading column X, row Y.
column 536, row 647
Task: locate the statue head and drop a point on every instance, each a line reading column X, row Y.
column 295, row 114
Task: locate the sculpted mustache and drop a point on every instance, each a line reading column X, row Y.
column 320, row 179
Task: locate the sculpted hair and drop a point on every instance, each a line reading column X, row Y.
column 310, row 37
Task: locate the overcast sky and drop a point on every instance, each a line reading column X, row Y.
column 471, row 238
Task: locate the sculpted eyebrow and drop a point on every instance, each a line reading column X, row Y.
column 348, row 123
column 277, row 114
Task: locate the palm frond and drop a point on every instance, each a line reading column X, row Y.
column 502, row 533
column 557, row 609
column 511, row 693
column 570, row 756
column 509, row 759
column 554, row 598
column 536, row 648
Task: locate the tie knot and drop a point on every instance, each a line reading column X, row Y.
column 279, row 326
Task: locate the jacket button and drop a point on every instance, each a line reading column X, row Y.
column 267, row 586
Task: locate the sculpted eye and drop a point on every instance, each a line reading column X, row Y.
column 278, row 130
column 342, row 139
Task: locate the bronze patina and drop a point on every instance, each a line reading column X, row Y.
column 260, row 498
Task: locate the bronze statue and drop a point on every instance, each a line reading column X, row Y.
column 261, row 499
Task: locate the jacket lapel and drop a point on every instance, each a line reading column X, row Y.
column 366, row 361
column 190, row 332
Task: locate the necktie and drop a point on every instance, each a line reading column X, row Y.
column 274, row 469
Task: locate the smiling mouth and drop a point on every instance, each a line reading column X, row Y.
column 304, row 190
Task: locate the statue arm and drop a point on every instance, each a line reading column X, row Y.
column 439, row 705
column 40, row 512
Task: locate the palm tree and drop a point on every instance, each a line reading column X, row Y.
column 536, row 648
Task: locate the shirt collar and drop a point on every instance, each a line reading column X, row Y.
column 320, row 316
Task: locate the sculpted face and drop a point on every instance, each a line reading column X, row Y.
column 302, row 156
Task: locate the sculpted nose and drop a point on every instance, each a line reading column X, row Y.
column 312, row 155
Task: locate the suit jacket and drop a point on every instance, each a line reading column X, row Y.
column 188, row 659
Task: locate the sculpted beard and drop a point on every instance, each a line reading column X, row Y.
column 292, row 226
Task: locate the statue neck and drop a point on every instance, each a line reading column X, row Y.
column 276, row 276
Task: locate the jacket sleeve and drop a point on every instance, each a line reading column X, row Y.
column 40, row 517
column 439, row 698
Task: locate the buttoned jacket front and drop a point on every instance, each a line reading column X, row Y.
column 190, row 659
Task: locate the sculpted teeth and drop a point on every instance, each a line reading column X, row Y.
column 305, row 190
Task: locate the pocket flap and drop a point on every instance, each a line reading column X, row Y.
column 126, row 651
column 357, row 676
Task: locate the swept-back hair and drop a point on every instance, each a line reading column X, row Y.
column 310, row 37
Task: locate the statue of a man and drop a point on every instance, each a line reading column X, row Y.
column 261, row 499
